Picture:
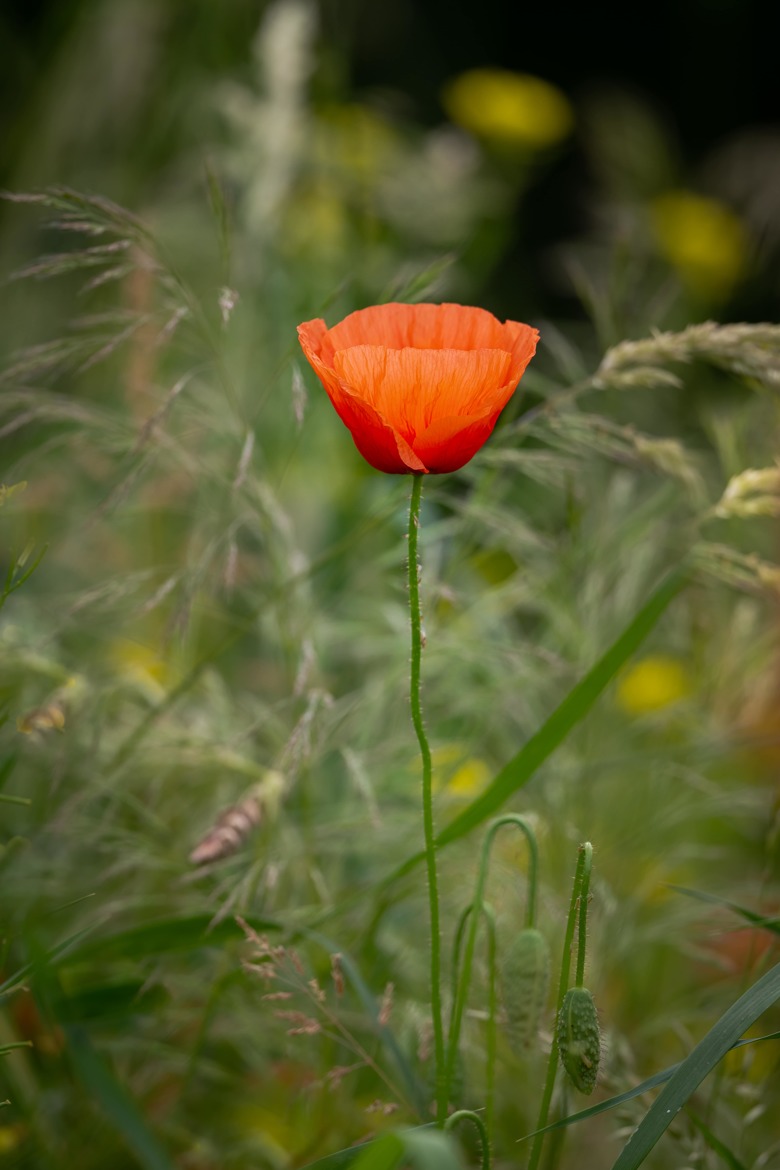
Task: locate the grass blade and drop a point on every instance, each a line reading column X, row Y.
column 565, row 717
column 752, row 916
column 692, row 1071
column 98, row 1079
column 165, row 936
column 659, row 1078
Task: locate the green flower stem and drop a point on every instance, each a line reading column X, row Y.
column 459, row 1005
column 490, row 1042
column 476, row 1120
column 427, row 799
column 490, row 1045
column 582, row 929
column 581, row 877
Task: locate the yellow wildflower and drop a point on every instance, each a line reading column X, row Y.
column 652, row 684
column 511, row 108
column 140, row 666
column 703, row 239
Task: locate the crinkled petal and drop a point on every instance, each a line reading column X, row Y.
column 424, row 327
column 411, row 388
column 419, row 386
column 376, row 440
column 449, row 443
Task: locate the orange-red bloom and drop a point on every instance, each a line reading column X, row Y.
column 419, row 386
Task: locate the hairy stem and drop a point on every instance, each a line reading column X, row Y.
column 582, row 873
column 478, row 1123
column 427, row 799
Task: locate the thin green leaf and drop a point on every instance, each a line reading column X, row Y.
column 56, row 954
column 339, row 1160
column 167, row 935
column 424, row 1148
column 4, row 1048
column 564, row 718
column 571, row 711
column 696, row 1067
column 431, row 1149
column 98, row 1079
column 18, row 581
column 383, row 1154
column 108, row 1001
column 715, row 1144
column 659, row 1078
column 751, row 916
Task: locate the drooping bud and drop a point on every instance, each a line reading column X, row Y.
column 525, row 979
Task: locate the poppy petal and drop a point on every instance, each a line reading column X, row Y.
column 410, row 388
column 421, row 386
column 423, row 327
column 448, row 443
column 378, row 442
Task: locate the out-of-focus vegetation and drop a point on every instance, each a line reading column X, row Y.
column 207, row 770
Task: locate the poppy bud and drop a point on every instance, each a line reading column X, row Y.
column 579, row 1038
column 525, row 979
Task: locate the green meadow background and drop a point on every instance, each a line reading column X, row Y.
column 207, row 766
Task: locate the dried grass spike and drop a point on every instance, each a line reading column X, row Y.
column 229, row 832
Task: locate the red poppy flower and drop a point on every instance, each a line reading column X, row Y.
column 420, row 387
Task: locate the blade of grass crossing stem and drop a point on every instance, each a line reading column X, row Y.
column 383, row 1154
column 424, row 1148
column 99, row 1081
column 692, row 1071
column 430, row 1149
column 574, row 707
column 652, row 1082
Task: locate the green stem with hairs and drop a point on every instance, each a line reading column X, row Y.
column 459, row 1006
column 427, row 799
column 581, row 882
column 478, row 1123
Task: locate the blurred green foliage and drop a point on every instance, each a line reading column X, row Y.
column 217, row 635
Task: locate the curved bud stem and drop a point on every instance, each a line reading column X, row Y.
column 476, row 1120
column 459, row 1006
column 581, row 877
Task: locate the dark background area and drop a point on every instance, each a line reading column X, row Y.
column 706, row 69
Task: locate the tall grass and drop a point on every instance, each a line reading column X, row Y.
column 210, row 783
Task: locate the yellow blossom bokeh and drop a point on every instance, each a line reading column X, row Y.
column 510, row 108
column 653, row 683
column 703, row 239
column 458, row 773
column 141, row 666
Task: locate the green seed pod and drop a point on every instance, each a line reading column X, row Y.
column 579, row 1038
column 525, row 978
